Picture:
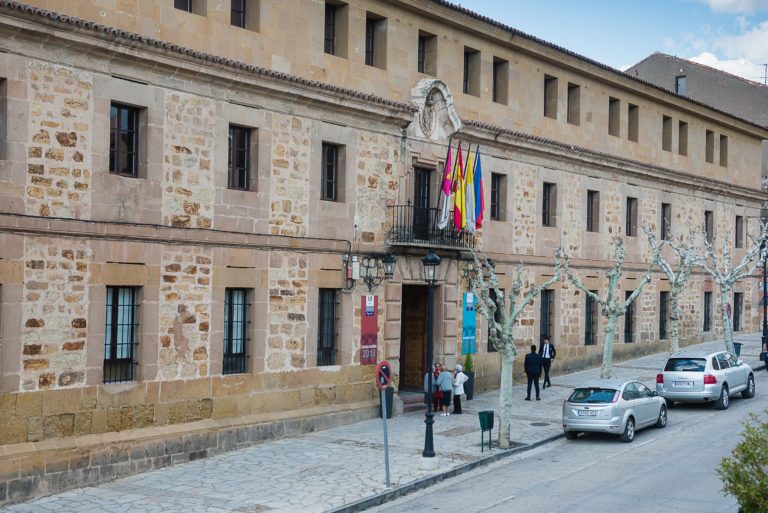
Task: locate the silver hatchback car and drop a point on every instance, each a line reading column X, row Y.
column 612, row 406
column 705, row 376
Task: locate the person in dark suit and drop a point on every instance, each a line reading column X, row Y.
column 547, row 352
column 533, row 371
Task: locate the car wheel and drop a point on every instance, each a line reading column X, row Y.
column 749, row 392
column 629, row 431
column 662, row 420
column 723, row 401
column 571, row 435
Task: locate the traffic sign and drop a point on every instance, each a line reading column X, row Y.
column 383, row 375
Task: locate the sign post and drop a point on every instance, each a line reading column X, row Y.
column 383, row 378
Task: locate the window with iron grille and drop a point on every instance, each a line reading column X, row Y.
column 709, row 225
column 663, row 312
column 548, row 204
column 330, row 178
column 330, row 29
column 239, row 158
column 707, row 311
column 237, row 14
column 236, row 329
column 496, row 196
column 631, row 228
column 120, row 334
column 666, row 221
column 546, row 314
column 738, row 304
column 123, row 140
column 590, row 321
column 739, row 232
column 593, row 211
column 629, row 318
column 184, row 5
column 370, row 34
column 326, row 327
column 496, row 316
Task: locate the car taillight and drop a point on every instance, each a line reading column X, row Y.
column 710, row 379
column 615, row 397
column 659, row 378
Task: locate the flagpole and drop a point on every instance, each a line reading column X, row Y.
column 447, row 153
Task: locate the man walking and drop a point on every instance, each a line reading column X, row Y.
column 547, row 353
column 533, row 371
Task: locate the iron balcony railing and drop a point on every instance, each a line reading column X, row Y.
column 417, row 226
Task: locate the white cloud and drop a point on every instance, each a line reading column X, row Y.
column 751, row 45
column 737, row 6
column 740, row 67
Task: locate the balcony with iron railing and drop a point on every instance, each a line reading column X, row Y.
column 417, row 226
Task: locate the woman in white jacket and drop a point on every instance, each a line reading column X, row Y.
column 459, row 378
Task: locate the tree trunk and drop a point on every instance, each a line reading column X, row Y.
column 505, row 397
column 727, row 332
column 674, row 317
column 610, row 330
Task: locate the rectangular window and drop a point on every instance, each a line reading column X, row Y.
column 707, row 311
column 663, row 312
column 550, row 97
column 680, row 85
column 184, row 5
column 738, row 304
column 3, row 119
column 370, row 38
column 422, row 220
column 739, row 232
column 427, row 59
column 593, row 211
column 496, row 316
column 330, row 178
column 120, row 334
column 709, row 154
column 326, row 327
column 237, row 13
column 239, row 158
column 123, row 140
column 682, row 138
column 709, row 225
column 198, row 7
column 631, row 221
column 548, row 205
column 574, row 104
column 335, row 34
column 666, row 221
column 375, row 40
column 666, row 133
column 590, row 321
column 724, row 150
column 614, row 115
column 245, row 14
column 500, row 80
column 330, row 29
column 496, row 193
column 629, row 318
column 471, row 71
column 633, row 122
column 546, row 314
column 236, row 324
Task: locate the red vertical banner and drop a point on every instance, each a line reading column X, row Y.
column 369, row 330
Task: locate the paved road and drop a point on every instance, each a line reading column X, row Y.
column 663, row 470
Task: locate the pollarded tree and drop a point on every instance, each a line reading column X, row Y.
column 687, row 258
column 725, row 276
column 611, row 306
column 501, row 332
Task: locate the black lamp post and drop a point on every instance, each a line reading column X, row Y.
column 431, row 267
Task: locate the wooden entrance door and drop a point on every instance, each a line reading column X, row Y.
column 413, row 337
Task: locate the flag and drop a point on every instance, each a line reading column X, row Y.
column 479, row 197
column 442, row 221
column 469, row 194
column 458, row 197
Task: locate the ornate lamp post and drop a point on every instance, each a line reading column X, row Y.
column 371, row 269
column 431, row 270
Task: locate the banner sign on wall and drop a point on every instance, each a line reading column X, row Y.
column 469, row 324
column 369, row 328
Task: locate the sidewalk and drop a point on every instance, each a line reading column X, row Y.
column 342, row 469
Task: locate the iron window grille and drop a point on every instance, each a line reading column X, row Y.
column 326, row 327
column 120, row 334
column 330, row 29
column 236, row 330
column 495, row 196
column 123, row 140
column 330, row 178
column 547, row 207
column 629, row 319
column 465, row 86
column 370, row 29
column 237, row 15
column 546, row 314
column 666, row 221
column 422, row 51
column 707, row 311
column 631, row 221
column 593, row 210
column 239, row 157
column 663, row 308
column 590, row 325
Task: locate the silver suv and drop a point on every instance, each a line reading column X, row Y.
column 706, row 376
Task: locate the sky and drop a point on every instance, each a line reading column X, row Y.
column 731, row 35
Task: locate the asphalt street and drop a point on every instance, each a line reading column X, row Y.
column 663, row 470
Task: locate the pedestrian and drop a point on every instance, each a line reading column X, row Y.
column 459, row 378
column 429, row 393
column 533, row 371
column 547, row 352
column 444, row 386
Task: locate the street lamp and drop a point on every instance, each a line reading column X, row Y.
column 372, row 267
column 431, row 270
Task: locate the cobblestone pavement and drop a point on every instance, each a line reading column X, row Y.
column 325, row 470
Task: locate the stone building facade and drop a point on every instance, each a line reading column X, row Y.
column 118, row 290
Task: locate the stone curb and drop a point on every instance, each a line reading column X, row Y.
column 400, row 491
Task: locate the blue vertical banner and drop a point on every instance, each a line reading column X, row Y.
column 469, row 324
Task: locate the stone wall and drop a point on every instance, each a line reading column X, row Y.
column 290, row 175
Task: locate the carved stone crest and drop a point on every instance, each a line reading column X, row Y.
column 427, row 117
column 436, row 119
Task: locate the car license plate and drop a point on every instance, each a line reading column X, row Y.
column 683, row 384
column 587, row 413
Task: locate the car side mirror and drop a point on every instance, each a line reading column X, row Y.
column 739, row 362
column 655, row 394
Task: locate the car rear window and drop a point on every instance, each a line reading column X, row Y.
column 592, row 395
column 686, row 364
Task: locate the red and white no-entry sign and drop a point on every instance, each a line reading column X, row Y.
column 383, row 375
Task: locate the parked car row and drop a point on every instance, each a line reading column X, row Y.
column 622, row 407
